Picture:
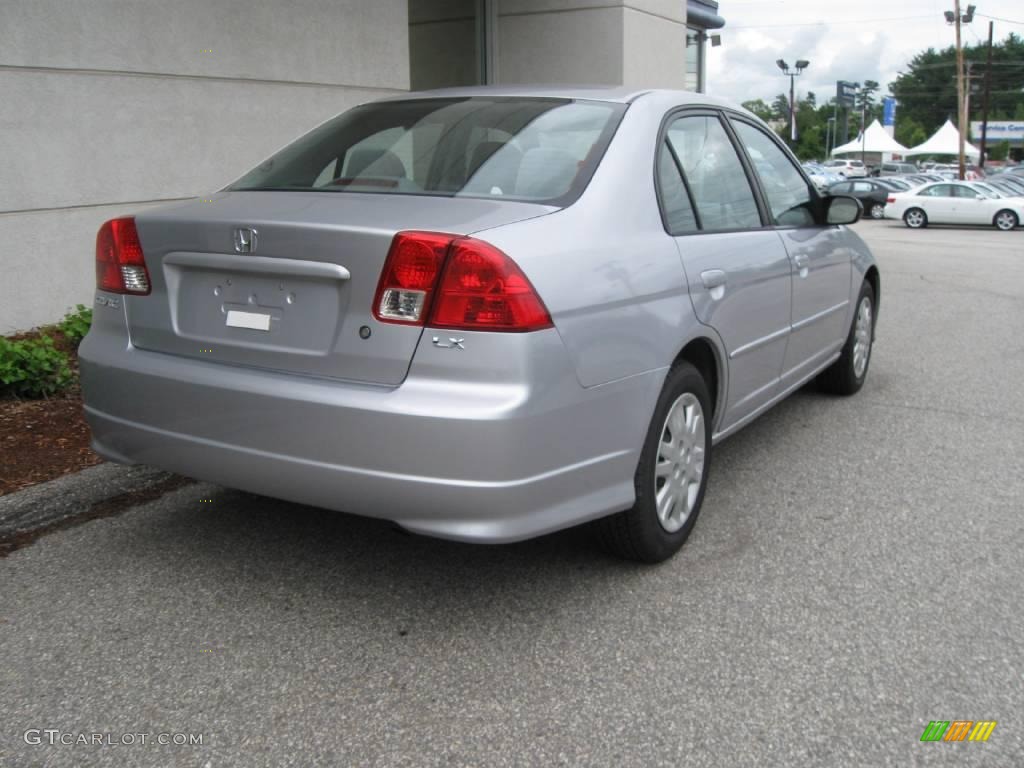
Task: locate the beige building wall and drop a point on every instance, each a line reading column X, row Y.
column 638, row 43
column 110, row 106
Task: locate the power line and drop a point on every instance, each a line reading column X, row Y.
column 998, row 18
column 831, row 23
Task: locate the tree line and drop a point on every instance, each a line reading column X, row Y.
column 926, row 95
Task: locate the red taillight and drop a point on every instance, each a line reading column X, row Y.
column 410, row 274
column 120, row 263
column 459, row 283
column 482, row 289
column 890, row 199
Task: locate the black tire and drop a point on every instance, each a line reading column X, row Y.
column 841, row 377
column 924, row 218
column 637, row 533
column 877, row 211
column 1009, row 216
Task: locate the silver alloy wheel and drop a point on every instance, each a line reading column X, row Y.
column 679, row 468
column 914, row 218
column 1006, row 220
column 862, row 338
column 877, row 211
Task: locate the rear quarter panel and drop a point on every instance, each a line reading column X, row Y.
column 608, row 272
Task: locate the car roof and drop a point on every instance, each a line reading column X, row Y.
column 613, row 93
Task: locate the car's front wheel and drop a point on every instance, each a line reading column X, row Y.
column 671, row 475
column 1006, row 220
column 877, row 211
column 915, row 218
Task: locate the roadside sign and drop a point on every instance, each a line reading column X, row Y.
column 846, row 93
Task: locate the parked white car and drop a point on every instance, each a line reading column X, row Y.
column 953, row 202
column 848, row 169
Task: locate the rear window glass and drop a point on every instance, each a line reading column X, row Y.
column 538, row 150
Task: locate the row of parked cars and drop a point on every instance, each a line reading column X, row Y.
column 935, row 196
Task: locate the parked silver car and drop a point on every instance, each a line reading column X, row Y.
column 485, row 314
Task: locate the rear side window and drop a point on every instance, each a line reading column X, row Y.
column 675, row 199
column 788, row 193
column 532, row 149
column 714, row 173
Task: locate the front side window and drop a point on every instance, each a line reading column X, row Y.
column 788, row 193
column 966, row 192
column 531, row 149
column 714, row 173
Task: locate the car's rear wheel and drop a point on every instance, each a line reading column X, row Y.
column 1006, row 220
column 915, row 218
column 671, row 475
column 877, row 211
column 847, row 374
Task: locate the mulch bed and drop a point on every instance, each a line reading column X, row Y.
column 44, row 439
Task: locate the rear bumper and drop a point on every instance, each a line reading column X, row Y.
column 510, row 449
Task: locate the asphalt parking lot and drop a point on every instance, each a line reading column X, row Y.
column 855, row 574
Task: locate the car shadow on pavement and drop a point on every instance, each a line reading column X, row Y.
column 219, row 530
column 231, row 556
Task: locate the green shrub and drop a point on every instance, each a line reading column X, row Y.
column 76, row 324
column 32, row 367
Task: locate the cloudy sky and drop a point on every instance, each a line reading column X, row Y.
column 856, row 41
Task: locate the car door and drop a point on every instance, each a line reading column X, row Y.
column 970, row 207
column 737, row 268
column 819, row 252
column 938, row 202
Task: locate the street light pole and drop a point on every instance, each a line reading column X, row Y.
column 957, row 20
column 863, row 125
column 801, row 65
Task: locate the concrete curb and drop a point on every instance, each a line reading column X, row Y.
column 94, row 492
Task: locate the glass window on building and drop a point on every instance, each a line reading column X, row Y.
column 447, row 43
column 694, row 59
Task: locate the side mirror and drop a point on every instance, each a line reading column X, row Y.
column 843, row 210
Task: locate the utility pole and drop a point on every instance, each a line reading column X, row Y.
column 959, row 85
column 985, row 98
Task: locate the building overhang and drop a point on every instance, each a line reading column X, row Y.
column 703, row 14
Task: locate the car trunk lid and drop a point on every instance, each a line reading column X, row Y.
column 285, row 281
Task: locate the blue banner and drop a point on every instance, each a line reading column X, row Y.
column 889, row 111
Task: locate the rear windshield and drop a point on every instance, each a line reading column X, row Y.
column 538, row 150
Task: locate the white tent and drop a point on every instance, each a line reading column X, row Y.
column 945, row 141
column 874, row 139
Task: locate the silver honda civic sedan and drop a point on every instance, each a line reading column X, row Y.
column 484, row 314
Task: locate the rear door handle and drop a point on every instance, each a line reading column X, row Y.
column 713, row 278
column 714, row 281
column 800, row 260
